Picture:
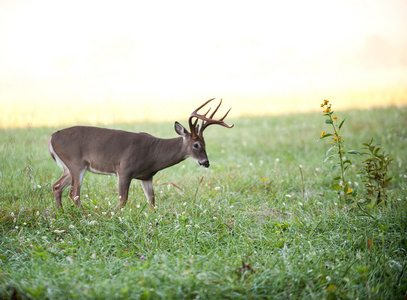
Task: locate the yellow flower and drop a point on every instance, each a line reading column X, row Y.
column 326, row 102
column 264, row 179
column 335, row 118
column 323, row 133
column 335, row 139
column 350, row 191
column 322, row 104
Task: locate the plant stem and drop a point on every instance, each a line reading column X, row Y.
column 345, row 196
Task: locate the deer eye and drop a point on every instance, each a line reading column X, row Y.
column 196, row 145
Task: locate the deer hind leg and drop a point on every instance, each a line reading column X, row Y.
column 123, row 185
column 59, row 186
column 149, row 191
column 76, row 184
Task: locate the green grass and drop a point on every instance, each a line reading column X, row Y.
column 250, row 226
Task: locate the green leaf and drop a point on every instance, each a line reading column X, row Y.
column 347, row 162
column 335, row 166
column 328, row 157
column 328, row 121
column 340, row 125
column 354, row 152
column 329, row 150
column 336, row 187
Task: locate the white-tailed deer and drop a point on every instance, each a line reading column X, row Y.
column 125, row 154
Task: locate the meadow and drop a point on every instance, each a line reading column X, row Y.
column 263, row 222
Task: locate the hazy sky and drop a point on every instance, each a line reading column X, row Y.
column 135, row 51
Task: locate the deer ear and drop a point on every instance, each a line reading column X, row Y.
column 180, row 129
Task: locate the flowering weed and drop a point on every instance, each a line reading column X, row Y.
column 337, row 151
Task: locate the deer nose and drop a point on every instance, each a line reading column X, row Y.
column 204, row 163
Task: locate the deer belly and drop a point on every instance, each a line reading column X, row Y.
column 103, row 172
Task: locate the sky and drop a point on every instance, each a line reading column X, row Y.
column 122, row 60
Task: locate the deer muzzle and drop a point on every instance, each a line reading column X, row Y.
column 204, row 163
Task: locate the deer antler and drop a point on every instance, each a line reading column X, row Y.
column 206, row 121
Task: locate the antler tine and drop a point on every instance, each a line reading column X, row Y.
column 196, row 110
column 207, row 113
column 215, row 109
column 192, row 126
column 221, row 119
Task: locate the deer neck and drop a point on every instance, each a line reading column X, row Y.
column 169, row 152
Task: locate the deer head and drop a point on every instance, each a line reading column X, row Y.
column 194, row 141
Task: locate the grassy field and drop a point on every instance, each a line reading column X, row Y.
column 262, row 222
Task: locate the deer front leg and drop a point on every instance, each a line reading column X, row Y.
column 149, row 191
column 124, row 185
column 76, row 184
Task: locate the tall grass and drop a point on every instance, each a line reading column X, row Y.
column 261, row 222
